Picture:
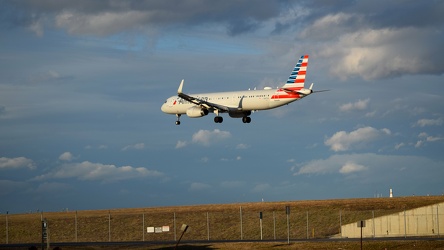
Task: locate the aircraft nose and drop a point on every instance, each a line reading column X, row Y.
column 166, row 107
column 163, row 108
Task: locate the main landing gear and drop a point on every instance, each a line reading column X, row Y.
column 178, row 119
column 218, row 119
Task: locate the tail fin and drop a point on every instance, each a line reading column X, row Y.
column 296, row 80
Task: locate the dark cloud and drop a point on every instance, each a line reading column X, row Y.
column 98, row 71
column 381, row 14
column 280, row 28
column 376, row 40
column 110, row 17
column 241, row 16
column 400, row 14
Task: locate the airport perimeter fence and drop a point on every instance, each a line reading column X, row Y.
column 228, row 224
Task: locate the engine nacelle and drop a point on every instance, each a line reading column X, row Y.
column 195, row 112
column 305, row 91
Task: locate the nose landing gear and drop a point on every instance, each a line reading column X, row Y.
column 178, row 119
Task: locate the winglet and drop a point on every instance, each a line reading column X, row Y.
column 179, row 90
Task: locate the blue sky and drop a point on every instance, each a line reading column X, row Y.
column 82, row 82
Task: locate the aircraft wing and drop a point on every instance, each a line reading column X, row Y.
column 200, row 102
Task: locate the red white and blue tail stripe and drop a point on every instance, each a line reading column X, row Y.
column 296, row 80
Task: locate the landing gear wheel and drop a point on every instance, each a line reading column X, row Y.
column 218, row 119
column 246, row 119
column 178, row 119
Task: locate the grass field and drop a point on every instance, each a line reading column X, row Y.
column 308, row 219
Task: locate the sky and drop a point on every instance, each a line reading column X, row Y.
column 82, row 82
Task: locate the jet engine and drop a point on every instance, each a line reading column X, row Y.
column 195, row 112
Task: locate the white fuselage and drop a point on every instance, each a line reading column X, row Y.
column 239, row 100
column 240, row 104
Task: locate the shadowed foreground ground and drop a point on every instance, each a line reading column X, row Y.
column 368, row 245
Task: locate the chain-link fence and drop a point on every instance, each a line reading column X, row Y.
column 233, row 223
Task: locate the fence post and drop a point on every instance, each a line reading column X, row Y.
column 174, row 223
column 7, row 229
column 208, row 227
column 287, row 211
column 240, row 214
column 307, row 224
column 340, row 222
column 109, row 225
column 437, row 218
column 260, row 223
column 274, row 225
column 75, row 225
column 405, row 225
column 143, row 227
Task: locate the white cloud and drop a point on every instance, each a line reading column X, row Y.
column 330, row 21
column 424, row 137
column 351, row 167
column 386, row 131
column 206, row 137
column 90, row 171
column 37, row 28
column 46, row 76
column 137, row 146
column 429, row 122
column 181, row 144
column 198, row 186
column 419, row 144
column 98, row 147
column 370, row 165
column 370, row 114
column 359, row 105
column 342, row 141
column 103, row 23
column 376, row 53
column 261, row 187
column 434, row 138
column 242, row 146
column 16, row 163
column 46, row 187
column 67, row 156
column 399, row 145
column 232, row 184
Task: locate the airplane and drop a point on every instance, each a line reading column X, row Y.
column 240, row 104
